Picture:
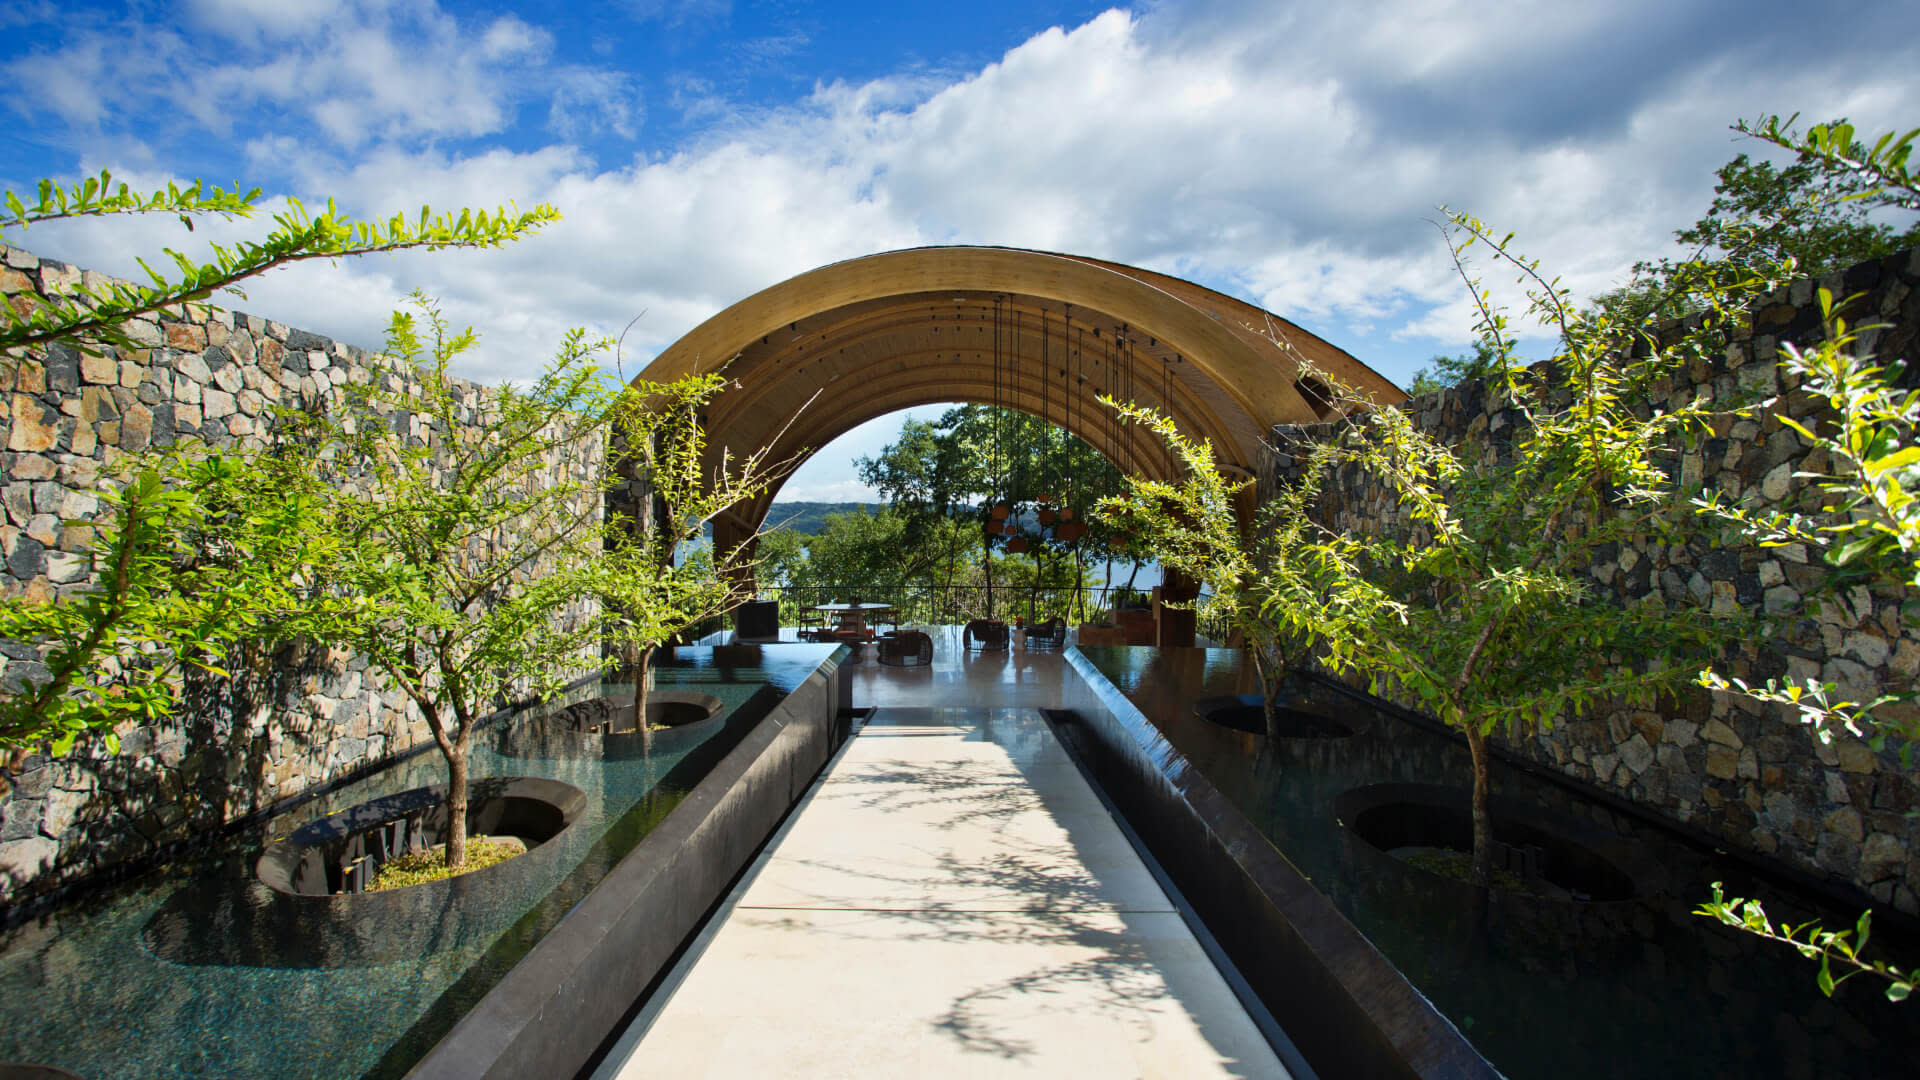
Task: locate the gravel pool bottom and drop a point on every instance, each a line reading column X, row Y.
column 84, row 988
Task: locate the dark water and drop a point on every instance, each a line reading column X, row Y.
column 1544, row 989
column 197, row 970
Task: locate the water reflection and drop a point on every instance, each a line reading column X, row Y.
column 85, row 988
column 1584, row 991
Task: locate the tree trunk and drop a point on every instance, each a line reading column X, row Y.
column 642, row 667
column 1269, row 693
column 457, row 805
column 1482, row 820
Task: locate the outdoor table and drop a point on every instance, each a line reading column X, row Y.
column 856, row 614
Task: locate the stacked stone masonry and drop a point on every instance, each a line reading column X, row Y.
column 1750, row 775
column 215, row 377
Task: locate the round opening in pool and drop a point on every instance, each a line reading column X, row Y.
column 614, row 715
column 1247, row 712
column 342, row 853
column 1535, row 852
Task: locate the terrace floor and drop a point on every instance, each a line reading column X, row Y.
column 951, row 899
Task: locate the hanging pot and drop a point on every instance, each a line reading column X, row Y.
column 1117, row 542
column 1047, row 516
column 1066, row 513
column 1017, row 545
column 1000, row 511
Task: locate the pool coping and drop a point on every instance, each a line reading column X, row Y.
column 1345, row 1006
column 552, row 1012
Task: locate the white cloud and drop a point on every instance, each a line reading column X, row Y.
column 588, row 102
column 1292, row 155
column 362, row 72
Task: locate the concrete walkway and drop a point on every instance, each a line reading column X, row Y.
column 952, row 900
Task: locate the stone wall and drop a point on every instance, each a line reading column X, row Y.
column 303, row 718
column 1751, row 776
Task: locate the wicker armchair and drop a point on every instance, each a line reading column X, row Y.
column 985, row 636
column 1051, row 634
column 908, row 648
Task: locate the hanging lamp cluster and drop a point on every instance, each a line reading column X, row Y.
column 1055, row 512
column 1000, row 519
column 1065, row 525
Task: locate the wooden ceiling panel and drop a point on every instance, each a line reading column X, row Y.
column 872, row 335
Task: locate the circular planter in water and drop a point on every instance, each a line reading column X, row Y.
column 1547, row 855
column 341, row 853
column 1247, row 712
column 604, row 726
column 305, row 909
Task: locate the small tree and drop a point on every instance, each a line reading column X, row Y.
column 1266, row 579
column 464, row 551
column 651, row 587
column 1476, row 603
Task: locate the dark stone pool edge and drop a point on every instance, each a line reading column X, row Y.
column 553, row 1011
column 1346, row 1008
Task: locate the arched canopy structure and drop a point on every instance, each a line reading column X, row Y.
column 872, row 335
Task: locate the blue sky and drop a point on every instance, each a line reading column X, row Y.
column 702, row 150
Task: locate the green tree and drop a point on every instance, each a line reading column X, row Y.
column 1826, row 211
column 1267, row 579
column 931, row 470
column 651, row 592
column 1444, row 371
column 96, row 313
column 977, row 456
column 464, row 555
column 1476, row 604
column 783, row 557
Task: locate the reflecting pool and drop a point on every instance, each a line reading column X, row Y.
column 1544, row 988
column 199, row 970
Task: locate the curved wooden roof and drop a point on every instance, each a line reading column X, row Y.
column 868, row 336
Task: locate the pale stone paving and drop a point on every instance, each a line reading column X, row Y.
column 953, row 900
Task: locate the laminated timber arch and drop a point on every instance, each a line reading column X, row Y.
column 884, row 332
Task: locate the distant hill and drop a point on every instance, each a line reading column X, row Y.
column 811, row 517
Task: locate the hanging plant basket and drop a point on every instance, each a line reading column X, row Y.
column 1017, row 545
column 1000, row 511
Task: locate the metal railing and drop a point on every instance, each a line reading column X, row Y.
column 931, row 604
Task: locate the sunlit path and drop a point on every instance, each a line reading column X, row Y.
column 952, row 900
